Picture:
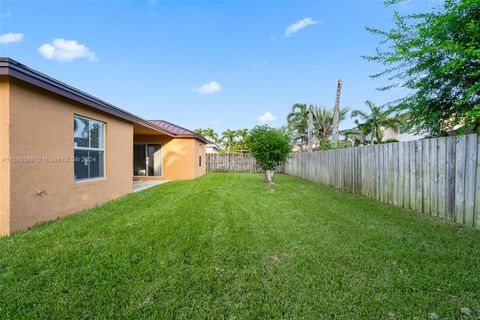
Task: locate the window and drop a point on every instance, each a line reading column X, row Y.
column 88, row 148
column 199, row 161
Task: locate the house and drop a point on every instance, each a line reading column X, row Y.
column 213, row 147
column 63, row 150
column 399, row 135
column 387, row 134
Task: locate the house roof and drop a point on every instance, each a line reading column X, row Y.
column 14, row 69
column 177, row 130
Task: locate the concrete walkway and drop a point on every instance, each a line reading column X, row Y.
column 139, row 185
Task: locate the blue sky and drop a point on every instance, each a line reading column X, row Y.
column 219, row 64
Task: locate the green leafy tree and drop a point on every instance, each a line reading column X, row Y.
column 437, row 56
column 270, row 147
column 376, row 121
column 297, row 120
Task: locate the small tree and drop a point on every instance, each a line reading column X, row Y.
column 270, row 147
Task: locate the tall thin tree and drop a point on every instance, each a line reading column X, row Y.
column 336, row 112
column 310, row 128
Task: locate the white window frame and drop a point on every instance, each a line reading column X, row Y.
column 90, row 149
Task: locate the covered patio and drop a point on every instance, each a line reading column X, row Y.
column 165, row 151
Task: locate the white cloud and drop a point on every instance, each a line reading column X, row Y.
column 66, row 50
column 299, row 25
column 11, row 38
column 267, row 117
column 209, row 88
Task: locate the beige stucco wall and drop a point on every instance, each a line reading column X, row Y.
column 392, row 134
column 180, row 156
column 41, row 125
column 4, row 154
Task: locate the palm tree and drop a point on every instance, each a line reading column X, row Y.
column 323, row 122
column 208, row 133
column 358, row 135
column 376, row 121
column 228, row 139
column 242, row 134
column 200, row 131
column 297, row 121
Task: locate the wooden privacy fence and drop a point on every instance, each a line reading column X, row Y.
column 244, row 163
column 439, row 176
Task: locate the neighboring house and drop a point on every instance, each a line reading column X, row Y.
column 389, row 133
column 213, row 147
column 63, row 150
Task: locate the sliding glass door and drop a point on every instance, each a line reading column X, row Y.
column 147, row 160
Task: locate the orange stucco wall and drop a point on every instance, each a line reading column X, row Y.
column 36, row 152
column 180, row 156
column 41, row 127
column 4, row 154
column 200, row 155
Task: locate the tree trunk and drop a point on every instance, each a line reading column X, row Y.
column 336, row 113
column 310, row 129
column 269, row 177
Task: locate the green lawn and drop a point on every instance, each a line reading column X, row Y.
column 223, row 246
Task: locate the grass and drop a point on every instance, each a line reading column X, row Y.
column 222, row 246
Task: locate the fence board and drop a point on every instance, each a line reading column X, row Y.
column 419, row 175
column 460, row 180
column 426, row 175
column 433, row 174
column 442, row 170
column 477, row 188
column 470, row 175
column 406, row 175
column 413, row 177
column 401, row 177
column 394, row 160
column 390, row 173
column 450, row 195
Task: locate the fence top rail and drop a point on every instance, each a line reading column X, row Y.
column 369, row 146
